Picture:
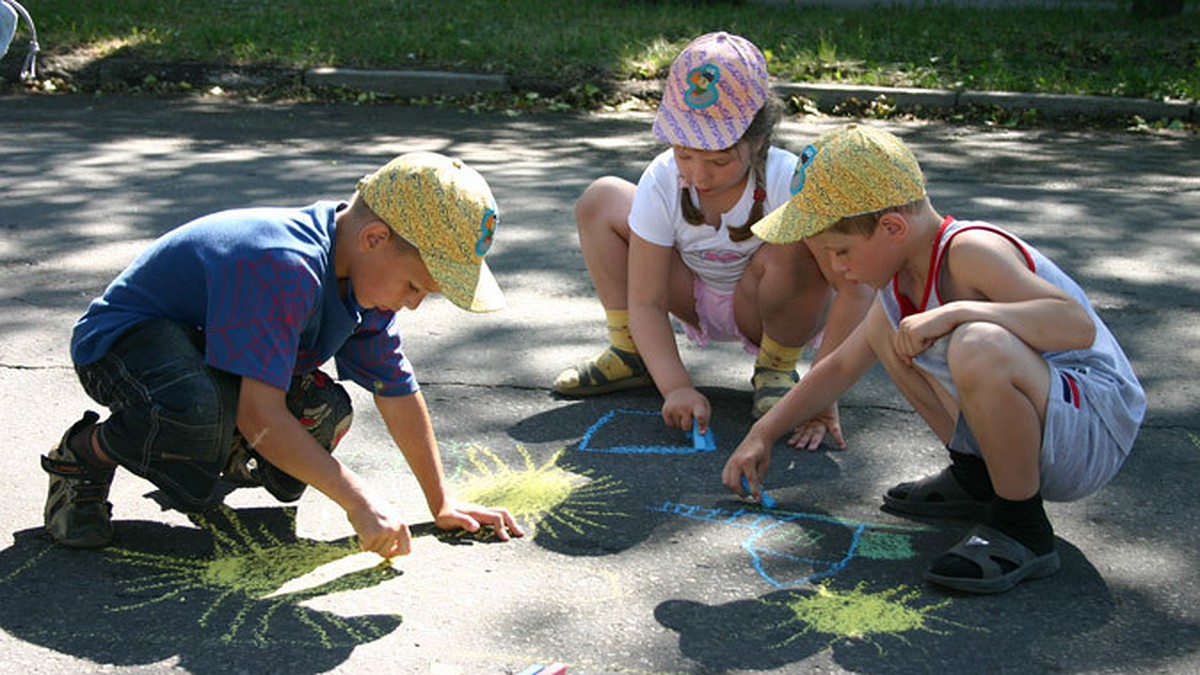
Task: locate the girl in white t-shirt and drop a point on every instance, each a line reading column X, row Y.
column 680, row 243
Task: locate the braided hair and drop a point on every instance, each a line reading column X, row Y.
column 758, row 133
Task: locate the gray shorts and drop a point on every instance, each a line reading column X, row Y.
column 1079, row 455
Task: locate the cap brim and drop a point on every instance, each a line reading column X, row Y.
column 488, row 296
column 789, row 223
column 696, row 138
column 455, row 283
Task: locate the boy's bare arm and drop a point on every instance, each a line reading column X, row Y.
column 274, row 433
column 408, row 422
column 989, row 280
column 820, row 387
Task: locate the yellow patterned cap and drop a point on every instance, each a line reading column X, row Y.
column 446, row 210
column 848, row 171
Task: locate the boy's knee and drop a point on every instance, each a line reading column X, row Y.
column 980, row 349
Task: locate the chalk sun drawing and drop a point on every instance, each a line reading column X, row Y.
column 254, row 581
column 861, row 615
column 811, row 547
column 546, row 496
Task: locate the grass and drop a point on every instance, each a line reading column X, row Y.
column 561, row 45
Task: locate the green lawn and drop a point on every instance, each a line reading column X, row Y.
column 589, row 42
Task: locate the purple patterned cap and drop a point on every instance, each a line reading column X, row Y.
column 716, row 85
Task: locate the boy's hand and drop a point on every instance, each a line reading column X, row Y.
column 380, row 531
column 470, row 517
column 684, row 404
column 750, row 459
column 917, row 332
column 808, row 435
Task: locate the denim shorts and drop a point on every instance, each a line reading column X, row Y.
column 173, row 417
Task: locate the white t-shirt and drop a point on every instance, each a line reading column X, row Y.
column 657, row 217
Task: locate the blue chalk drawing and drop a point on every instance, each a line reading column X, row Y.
column 689, row 447
column 813, row 529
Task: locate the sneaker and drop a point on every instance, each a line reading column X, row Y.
column 247, row 468
column 770, row 385
column 78, row 513
column 612, row 370
column 239, row 469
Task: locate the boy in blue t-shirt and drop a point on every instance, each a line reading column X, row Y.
column 206, row 351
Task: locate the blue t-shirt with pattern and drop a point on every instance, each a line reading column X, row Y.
column 261, row 284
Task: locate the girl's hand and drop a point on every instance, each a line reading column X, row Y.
column 684, row 404
column 808, row 435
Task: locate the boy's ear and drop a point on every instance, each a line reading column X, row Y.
column 894, row 224
column 373, row 234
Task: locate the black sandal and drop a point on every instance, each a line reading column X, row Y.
column 936, row 496
column 1003, row 562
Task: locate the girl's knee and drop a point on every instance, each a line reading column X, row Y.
column 790, row 268
column 602, row 199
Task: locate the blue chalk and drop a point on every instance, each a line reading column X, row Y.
column 767, row 500
column 702, row 441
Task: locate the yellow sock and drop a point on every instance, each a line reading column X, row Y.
column 775, row 356
column 618, row 329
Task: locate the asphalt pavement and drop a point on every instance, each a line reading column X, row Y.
column 637, row 560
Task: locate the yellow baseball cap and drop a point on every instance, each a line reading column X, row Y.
column 849, row 171
column 446, row 210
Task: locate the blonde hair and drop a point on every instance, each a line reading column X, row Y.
column 758, row 136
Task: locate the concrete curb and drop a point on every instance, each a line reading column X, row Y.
column 418, row 83
column 408, row 83
column 1051, row 106
column 827, row 96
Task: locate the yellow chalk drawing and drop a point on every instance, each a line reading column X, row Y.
column 255, row 580
column 860, row 614
column 545, row 496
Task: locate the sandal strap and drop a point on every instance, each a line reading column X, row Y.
column 772, row 382
column 590, row 374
